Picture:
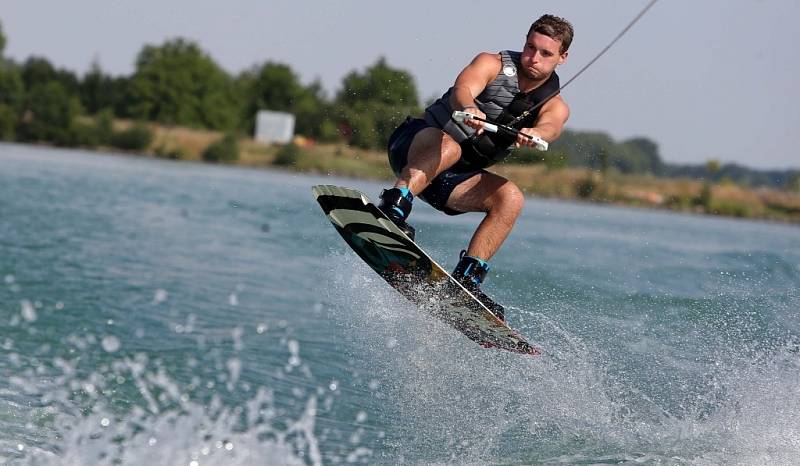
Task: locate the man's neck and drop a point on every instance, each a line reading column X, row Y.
column 527, row 84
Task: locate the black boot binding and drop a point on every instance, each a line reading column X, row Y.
column 396, row 204
column 471, row 272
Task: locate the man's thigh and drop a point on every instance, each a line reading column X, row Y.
column 478, row 193
column 433, row 146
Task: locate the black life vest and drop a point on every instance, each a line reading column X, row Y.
column 490, row 148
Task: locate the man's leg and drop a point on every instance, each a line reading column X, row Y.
column 502, row 201
column 431, row 152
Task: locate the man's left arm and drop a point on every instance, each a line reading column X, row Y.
column 549, row 125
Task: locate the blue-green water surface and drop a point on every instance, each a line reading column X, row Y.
column 154, row 312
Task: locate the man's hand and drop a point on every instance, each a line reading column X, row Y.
column 522, row 141
column 473, row 123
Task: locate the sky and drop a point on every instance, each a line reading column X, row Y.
column 710, row 79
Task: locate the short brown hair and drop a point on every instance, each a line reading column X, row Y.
column 555, row 28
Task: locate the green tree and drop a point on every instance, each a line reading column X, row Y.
column 712, row 167
column 373, row 103
column 271, row 86
column 274, row 86
column 647, row 152
column 793, row 183
column 178, row 83
column 98, row 91
column 51, row 112
column 314, row 114
column 8, row 123
column 37, row 70
column 2, row 41
column 12, row 89
column 379, row 83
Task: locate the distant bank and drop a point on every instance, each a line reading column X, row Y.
column 723, row 198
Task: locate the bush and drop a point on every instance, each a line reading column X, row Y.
column 8, row 121
column 176, row 152
column 731, row 208
column 84, row 133
column 287, row 156
column 704, row 198
column 585, row 187
column 136, row 138
column 222, row 150
column 531, row 156
column 104, row 126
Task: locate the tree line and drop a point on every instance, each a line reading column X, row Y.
column 178, row 83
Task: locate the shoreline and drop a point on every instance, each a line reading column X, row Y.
column 569, row 183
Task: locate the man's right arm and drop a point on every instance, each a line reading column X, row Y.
column 471, row 82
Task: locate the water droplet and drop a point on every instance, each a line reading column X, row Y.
column 59, row 306
column 361, row 416
column 194, row 463
column 228, row 446
column 160, row 296
column 105, row 422
column 294, row 346
column 237, row 334
column 20, row 447
column 261, row 328
column 333, row 385
column 233, row 300
column 152, row 441
column 28, row 311
column 111, row 343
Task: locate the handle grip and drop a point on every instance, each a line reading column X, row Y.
column 538, row 142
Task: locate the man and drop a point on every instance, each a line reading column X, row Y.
column 443, row 161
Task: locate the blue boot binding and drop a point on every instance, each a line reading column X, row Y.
column 470, row 272
column 396, row 204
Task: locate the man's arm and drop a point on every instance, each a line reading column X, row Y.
column 550, row 123
column 471, row 82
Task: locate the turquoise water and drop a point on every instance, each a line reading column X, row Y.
column 184, row 314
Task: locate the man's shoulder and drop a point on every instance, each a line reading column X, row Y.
column 557, row 105
column 489, row 62
column 489, row 57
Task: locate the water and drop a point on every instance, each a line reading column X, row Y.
column 184, row 314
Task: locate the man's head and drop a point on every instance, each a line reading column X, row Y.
column 546, row 46
column 555, row 28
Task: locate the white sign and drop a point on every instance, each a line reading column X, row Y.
column 274, row 127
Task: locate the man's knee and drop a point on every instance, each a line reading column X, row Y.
column 509, row 198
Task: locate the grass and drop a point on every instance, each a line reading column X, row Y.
column 645, row 191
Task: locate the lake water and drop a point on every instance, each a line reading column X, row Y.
column 164, row 313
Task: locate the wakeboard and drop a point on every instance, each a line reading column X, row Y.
column 407, row 268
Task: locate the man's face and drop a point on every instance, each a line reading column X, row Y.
column 541, row 55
